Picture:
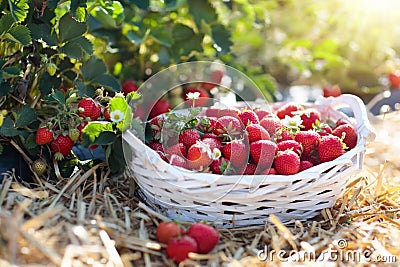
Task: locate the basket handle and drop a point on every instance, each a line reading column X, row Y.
column 357, row 106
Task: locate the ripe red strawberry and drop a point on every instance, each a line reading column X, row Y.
column 166, row 231
column 322, row 128
column 82, row 126
column 212, row 142
column 248, row 116
column 140, row 113
column 206, row 124
column 220, row 166
column 198, row 158
column 394, row 79
column 309, row 118
column 129, row 86
column 341, row 122
column 331, row 91
column 329, row 148
column 256, row 132
column 288, row 109
column 160, row 107
column 156, row 146
column 189, row 137
column 233, row 112
column 212, row 112
column 209, row 135
column 290, row 144
column 311, row 158
column 283, row 135
column 348, row 133
column 44, row 136
column 271, row 124
column 262, row 113
column 237, row 152
column 179, row 249
column 216, row 76
column 162, row 155
column 308, row 140
column 203, row 98
column 205, row 235
column 106, row 114
column 208, row 86
column 304, row 165
column 62, row 144
column 269, row 171
column 88, row 108
column 250, row 169
column 228, row 125
column 177, row 161
column 263, row 152
column 177, row 149
column 287, row 162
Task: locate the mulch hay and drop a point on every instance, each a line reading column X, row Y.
column 94, row 219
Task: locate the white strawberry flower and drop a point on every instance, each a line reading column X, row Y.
column 292, row 122
column 116, row 115
column 193, row 95
column 216, row 154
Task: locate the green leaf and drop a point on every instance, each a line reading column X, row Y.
column 139, row 127
column 93, row 129
column 44, row 32
column 47, row 83
column 5, row 88
column 19, row 34
column 6, row 21
column 106, row 138
column 30, row 142
column 93, row 68
column 118, row 103
column 84, row 90
column 59, row 96
column 75, row 4
column 136, row 37
column 70, row 29
column 80, row 14
column 142, row 4
column 132, row 96
column 115, row 160
column 72, row 49
column 161, row 36
column 24, row 116
column 182, row 32
column 52, row 4
column 202, row 10
column 164, row 57
column 108, row 81
column 85, row 44
column 222, row 37
column 19, row 9
column 104, row 17
column 11, row 72
column 8, row 128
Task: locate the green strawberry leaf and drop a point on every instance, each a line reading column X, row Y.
column 24, row 116
column 8, row 129
column 94, row 129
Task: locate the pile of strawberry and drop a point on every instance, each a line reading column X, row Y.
column 199, row 238
column 284, row 141
column 63, row 133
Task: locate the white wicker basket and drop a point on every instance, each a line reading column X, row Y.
column 234, row 201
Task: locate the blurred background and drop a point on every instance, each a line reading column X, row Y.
column 291, row 49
